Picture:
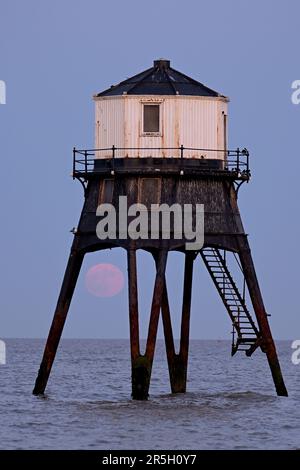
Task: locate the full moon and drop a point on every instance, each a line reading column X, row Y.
column 104, row 280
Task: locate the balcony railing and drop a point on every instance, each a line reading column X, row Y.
column 89, row 162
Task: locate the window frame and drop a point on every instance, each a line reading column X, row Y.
column 160, row 108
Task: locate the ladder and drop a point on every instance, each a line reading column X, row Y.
column 245, row 334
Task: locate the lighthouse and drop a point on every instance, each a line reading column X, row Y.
column 161, row 159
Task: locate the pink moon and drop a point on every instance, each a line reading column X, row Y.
column 104, row 280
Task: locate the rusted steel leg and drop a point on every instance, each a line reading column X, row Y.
column 60, row 315
column 133, row 304
column 185, row 324
column 142, row 365
column 169, row 339
column 138, row 375
column 177, row 363
column 261, row 315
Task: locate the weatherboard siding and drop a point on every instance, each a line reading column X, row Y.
column 194, row 122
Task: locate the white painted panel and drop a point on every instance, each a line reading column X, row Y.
column 194, row 122
column 109, row 125
column 146, row 145
column 171, row 127
column 198, row 127
column 222, row 131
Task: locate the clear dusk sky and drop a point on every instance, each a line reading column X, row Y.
column 54, row 55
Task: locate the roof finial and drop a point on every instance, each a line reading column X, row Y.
column 162, row 63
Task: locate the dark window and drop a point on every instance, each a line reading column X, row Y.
column 151, row 118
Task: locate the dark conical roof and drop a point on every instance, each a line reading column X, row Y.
column 160, row 79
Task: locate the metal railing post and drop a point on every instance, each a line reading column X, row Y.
column 85, row 163
column 181, row 159
column 74, row 165
column 113, row 157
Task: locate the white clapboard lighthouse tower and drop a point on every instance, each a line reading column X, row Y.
column 161, row 142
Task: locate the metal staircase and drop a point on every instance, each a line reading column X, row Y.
column 245, row 334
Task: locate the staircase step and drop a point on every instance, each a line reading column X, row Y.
column 252, row 336
column 227, row 288
column 246, row 334
column 246, row 340
column 243, row 323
